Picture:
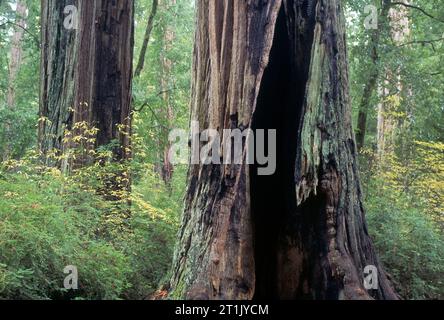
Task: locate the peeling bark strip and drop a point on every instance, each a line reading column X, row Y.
column 86, row 73
column 300, row 233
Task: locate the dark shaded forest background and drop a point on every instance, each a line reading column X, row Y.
column 50, row 219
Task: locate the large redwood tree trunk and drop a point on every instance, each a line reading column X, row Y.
column 86, row 72
column 300, row 233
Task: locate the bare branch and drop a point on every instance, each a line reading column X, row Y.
column 422, row 42
column 33, row 36
column 417, row 8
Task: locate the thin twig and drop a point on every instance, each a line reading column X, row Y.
column 417, row 8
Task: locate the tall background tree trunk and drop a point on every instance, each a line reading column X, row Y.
column 16, row 53
column 15, row 61
column 300, row 233
column 387, row 124
column 86, row 73
column 372, row 82
column 167, row 86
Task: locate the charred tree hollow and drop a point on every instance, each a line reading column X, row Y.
column 281, row 228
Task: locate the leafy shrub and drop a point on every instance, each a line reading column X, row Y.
column 155, row 213
column 409, row 242
column 49, row 221
column 40, row 234
column 21, row 134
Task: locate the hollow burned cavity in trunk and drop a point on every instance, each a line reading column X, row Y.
column 287, row 238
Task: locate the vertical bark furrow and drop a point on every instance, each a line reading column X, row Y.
column 57, row 75
column 86, row 72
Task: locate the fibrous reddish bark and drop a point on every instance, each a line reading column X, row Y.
column 86, row 72
column 300, row 233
